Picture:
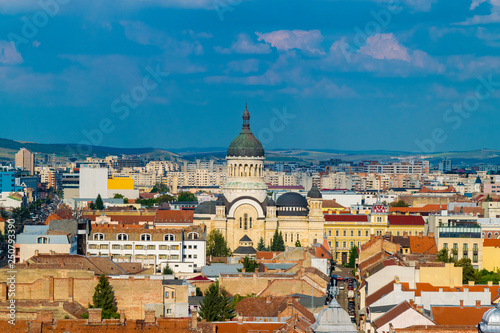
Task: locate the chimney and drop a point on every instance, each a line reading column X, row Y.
column 240, row 320
column 268, row 299
column 243, row 270
column 214, row 328
column 430, row 234
column 412, row 303
column 461, row 304
column 405, row 234
column 478, row 304
column 122, row 316
column 490, row 283
column 150, row 317
column 37, row 253
column 194, row 319
column 52, row 252
column 421, row 234
column 95, row 316
column 471, row 283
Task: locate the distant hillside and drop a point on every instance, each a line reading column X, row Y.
column 481, row 156
column 9, row 147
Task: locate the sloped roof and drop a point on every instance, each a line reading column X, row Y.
column 456, row 315
column 331, row 204
column 346, row 217
column 99, row 265
column 394, row 313
column 422, row 244
column 406, row 220
column 175, row 216
column 259, row 307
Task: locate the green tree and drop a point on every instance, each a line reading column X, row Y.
column 278, row 244
column 250, row 265
column 217, row 245
column 159, row 188
column 118, row 196
column 199, row 292
column 20, row 214
column 261, row 246
column 468, row 272
column 186, row 196
column 443, row 256
column 104, row 298
column 165, row 198
column 488, row 198
column 99, row 205
column 167, row 270
column 297, row 243
column 399, row 203
column 216, row 306
column 353, row 255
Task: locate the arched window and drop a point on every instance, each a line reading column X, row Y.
column 145, row 237
column 286, row 237
column 42, row 240
column 489, row 235
column 291, row 238
column 193, row 235
column 250, row 223
column 245, row 221
column 122, row 237
column 241, row 222
column 496, row 235
column 99, row 237
column 168, row 237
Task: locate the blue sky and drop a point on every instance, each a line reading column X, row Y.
column 355, row 75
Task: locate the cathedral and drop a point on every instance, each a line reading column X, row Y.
column 245, row 209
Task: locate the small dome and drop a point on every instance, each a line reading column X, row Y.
column 314, row 193
column 291, row 199
column 245, row 144
column 491, row 320
column 270, row 202
column 206, row 207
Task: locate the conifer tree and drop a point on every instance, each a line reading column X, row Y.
column 99, row 205
column 104, row 298
column 216, row 306
column 261, row 246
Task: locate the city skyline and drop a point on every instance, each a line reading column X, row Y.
column 370, row 76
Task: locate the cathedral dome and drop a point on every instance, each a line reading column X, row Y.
column 245, row 144
column 491, row 320
column 291, row 199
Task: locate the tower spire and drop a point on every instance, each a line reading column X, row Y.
column 246, row 117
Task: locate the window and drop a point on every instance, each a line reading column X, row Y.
column 336, row 232
column 352, row 233
column 195, row 247
column 168, row 237
column 359, row 233
column 359, row 244
column 163, row 247
column 116, row 247
column 352, row 244
column 163, row 256
column 166, row 294
column 127, row 247
column 297, row 236
column 42, row 240
column 329, row 232
column 174, row 257
column 169, row 311
column 151, row 247
column 397, row 233
column 250, row 223
column 291, row 237
column 92, row 246
column 245, row 221
column 99, row 236
column 465, row 251
column 336, row 244
column 174, row 247
column 445, row 246
column 286, row 238
column 145, row 237
column 489, row 234
column 139, row 247
column 195, row 256
column 193, row 235
column 122, row 237
column 241, row 222
column 345, row 232
column 366, row 233
column 344, row 244
column 104, row 246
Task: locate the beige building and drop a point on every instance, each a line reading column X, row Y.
column 26, row 160
column 245, row 209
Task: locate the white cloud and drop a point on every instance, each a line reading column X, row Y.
column 9, row 54
column 245, row 45
column 385, row 46
column 285, row 40
column 493, row 17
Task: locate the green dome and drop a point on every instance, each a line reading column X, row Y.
column 246, row 144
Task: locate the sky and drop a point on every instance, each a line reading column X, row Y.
column 408, row 75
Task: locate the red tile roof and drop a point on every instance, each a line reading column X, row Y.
column 331, row 204
column 422, row 245
column 174, row 216
column 406, row 220
column 346, row 218
column 428, row 190
column 266, row 254
column 490, row 242
column 391, row 314
column 199, row 278
column 246, row 327
column 270, row 307
column 382, row 292
column 456, row 315
column 52, row 217
column 429, row 208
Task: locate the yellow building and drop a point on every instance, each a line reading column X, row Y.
column 344, row 231
column 120, row 183
column 491, row 254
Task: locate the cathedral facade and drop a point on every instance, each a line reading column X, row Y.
column 245, row 209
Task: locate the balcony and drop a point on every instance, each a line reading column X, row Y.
column 473, row 231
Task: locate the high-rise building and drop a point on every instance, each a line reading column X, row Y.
column 446, row 165
column 26, row 160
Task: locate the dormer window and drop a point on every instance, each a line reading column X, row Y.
column 168, row 237
column 99, row 237
column 193, row 235
column 145, row 237
column 122, row 237
column 42, row 240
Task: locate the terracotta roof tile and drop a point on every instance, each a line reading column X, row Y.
column 406, row 220
column 456, row 315
column 422, row 245
column 346, row 217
